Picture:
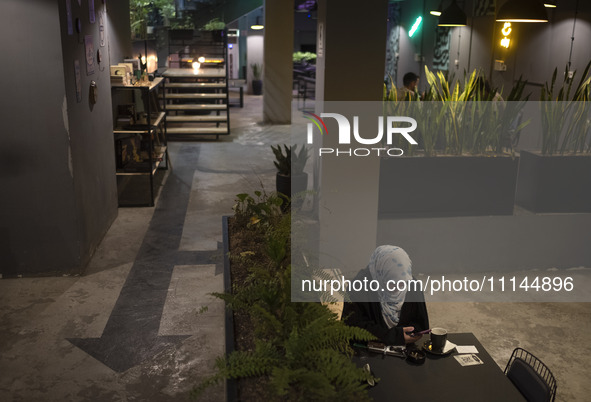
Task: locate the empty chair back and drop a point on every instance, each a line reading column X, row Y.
column 532, row 378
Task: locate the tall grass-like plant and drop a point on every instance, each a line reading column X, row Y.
column 566, row 125
column 460, row 117
column 257, row 71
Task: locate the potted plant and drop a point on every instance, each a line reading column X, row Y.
column 145, row 15
column 257, row 83
column 558, row 178
column 290, row 178
column 464, row 164
column 216, row 28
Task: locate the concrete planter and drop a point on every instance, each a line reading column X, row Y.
column 554, row 183
column 231, row 384
column 444, row 186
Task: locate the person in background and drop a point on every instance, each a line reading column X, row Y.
column 410, row 89
column 391, row 318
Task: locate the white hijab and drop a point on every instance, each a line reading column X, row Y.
column 390, row 263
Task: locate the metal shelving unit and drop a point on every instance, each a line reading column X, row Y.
column 149, row 133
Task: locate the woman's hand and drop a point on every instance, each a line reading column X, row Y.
column 409, row 338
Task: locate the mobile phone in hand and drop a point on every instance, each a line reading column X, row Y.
column 413, row 333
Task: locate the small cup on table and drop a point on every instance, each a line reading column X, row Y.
column 438, row 339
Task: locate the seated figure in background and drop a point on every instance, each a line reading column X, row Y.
column 410, row 89
column 390, row 318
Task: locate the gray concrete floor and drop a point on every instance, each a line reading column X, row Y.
column 39, row 315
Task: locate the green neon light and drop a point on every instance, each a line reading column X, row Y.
column 415, row 27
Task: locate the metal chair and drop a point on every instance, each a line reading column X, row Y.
column 531, row 377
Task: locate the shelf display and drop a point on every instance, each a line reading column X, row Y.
column 140, row 133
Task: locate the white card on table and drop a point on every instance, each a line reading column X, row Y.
column 468, row 360
column 466, row 349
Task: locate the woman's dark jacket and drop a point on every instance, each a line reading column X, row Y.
column 368, row 315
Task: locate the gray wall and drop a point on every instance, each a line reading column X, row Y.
column 421, row 44
column 39, row 231
column 119, row 30
column 491, row 243
column 91, row 132
column 57, row 155
column 537, row 49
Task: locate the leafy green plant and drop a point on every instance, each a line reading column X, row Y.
column 167, row 9
column 262, row 209
column 213, row 25
column 186, row 22
column 291, row 158
column 566, row 124
column 302, row 350
column 138, row 15
column 299, row 159
column 307, row 57
column 282, row 161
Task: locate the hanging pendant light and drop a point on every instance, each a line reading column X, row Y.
column 549, row 4
column 257, row 26
column 437, row 12
column 522, row 11
column 453, row 16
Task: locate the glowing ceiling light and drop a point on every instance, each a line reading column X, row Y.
column 415, row 27
column 522, row 11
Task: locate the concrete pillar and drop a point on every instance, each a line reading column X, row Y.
column 278, row 65
column 351, row 51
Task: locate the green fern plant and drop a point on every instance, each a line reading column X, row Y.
column 301, row 350
column 304, row 351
